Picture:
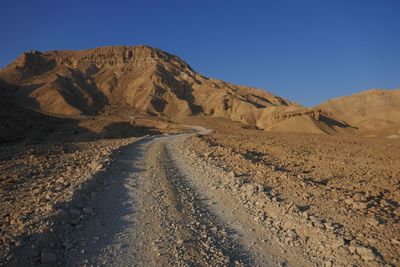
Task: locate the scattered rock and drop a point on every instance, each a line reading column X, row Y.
column 373, row 221
column 60, row 180
column 366, row 254
column 232, row 174
column 339, row 242
column 352, row 249
column 359, row 205
column 395, row 241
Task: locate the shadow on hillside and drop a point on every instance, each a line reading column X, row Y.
column 332, row 122
column 125, row 129
column 20, row 125
column 27, row 125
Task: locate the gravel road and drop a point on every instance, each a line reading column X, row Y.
column 172, row 200
column 154, row 210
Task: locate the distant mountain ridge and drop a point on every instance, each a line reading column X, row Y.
column 148, row 80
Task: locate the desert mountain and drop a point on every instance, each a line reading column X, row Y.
column 376, row 111
column 146, row 80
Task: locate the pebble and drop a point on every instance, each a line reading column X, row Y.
column 395, row 241
column 359, row 205
column 349, row 201
column 60, row 180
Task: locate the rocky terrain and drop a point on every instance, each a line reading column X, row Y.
column 120, row 156
column 204, row 199
column 302, row 187
column 37, row 185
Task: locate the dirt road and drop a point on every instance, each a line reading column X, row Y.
column 155, row 209
column 220, row 199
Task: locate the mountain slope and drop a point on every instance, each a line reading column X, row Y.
column 372, row 110
column 139, row 79
column 147, row 79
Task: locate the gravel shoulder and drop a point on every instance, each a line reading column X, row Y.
column 332, row 199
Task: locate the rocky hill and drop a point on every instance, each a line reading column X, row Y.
column 145, row 80
column 373, row 111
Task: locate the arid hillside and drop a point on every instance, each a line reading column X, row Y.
column 375, row 111
column 146, row 80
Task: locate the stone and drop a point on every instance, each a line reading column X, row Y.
column 373, row 221
column 352, row 249
column 96, row 166
column 365, row 253
column 358, row 197
column 48, row 257
column 60, row 180
column 207, row 154
column 259, row 187
column 359, row 205
column 49, row 207
column 395, row 241
column 349, row 201
column 179, row 242
column 339, row 242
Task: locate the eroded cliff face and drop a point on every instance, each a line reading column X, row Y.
column 140, row 78
column 147, row 79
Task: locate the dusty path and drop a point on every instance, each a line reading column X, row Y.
column 154, row 209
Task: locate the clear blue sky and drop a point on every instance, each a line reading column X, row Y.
column 303, row 50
